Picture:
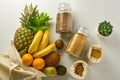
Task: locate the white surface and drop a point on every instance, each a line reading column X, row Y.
column 86, row 13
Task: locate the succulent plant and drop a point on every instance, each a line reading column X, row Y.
column 105, row 28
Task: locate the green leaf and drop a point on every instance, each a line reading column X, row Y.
column 26, row 10
column 43, row 28
column 105, row 28
column 33, row 19
column 32, row 28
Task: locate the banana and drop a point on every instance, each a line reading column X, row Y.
column 34, row 45
column 45, row 40
column 45, row 51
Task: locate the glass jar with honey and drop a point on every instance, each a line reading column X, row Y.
column 77, row 42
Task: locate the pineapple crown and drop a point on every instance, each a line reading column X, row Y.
column 105, row 28
column 33, row 20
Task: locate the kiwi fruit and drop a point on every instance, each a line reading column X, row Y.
column 61, row 70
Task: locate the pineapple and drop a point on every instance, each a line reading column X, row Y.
column 32, row 21
column 22, row 39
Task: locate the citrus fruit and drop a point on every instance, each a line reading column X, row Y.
column 38, row 63
column 27, row 59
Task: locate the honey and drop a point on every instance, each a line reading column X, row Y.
column 77, row 42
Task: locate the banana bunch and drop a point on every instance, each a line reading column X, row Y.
column 35, row 43
column 44, row 42
column 40, row 45
column 45, row 51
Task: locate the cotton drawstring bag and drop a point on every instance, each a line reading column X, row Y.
column 11, row 67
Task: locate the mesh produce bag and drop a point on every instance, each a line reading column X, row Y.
column 11, row 67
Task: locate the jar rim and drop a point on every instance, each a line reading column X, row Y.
column 84, row 30
column 64, row 6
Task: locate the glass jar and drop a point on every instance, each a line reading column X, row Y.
column 64, row 19
column 77, row 42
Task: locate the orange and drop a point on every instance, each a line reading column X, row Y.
column 27, row 59
column 38, row 63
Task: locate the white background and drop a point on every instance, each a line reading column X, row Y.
column 88, row 13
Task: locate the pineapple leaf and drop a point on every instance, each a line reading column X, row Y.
column 31, row 8
column 26, row 10
column 33, row 19
column 43, row 28
column 32, row 28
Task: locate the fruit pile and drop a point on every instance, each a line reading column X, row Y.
column 33, row 44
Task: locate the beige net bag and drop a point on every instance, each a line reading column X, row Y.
column 11, row 67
